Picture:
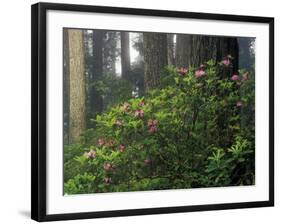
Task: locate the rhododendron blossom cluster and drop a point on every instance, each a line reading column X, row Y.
column 139, row 113
column 90, row 155
column 101, row 141
column 199, row 73
column 152, row 126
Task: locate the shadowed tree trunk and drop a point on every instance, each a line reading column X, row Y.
column 125, row 55
column 77, row 91
column 171, row 49
column 88, row 58
column 203, row 49
column 246, row 56
column 66, row 86
column 95, row 99
column 192, row 50
column 110, row 51
column 155, row 58
column 183, row 48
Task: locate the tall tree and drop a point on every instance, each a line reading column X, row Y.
column 137, row 67
column 66, row 85
column 125, row 55
column 95, row 99
column 171, row 49
column 246, row 52
column 88, row 51
column 110, row 51
column 203, row 48
column 191, row 50
column 183, row 48
column 77, row 92
column 155, row 58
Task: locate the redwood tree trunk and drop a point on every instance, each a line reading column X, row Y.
column 66, row 86
column 192, row 50
column 183, row 49
column 125, row 55
column 203, row 48
column 95, row 99
column 155, row 58
column 171, row 49
column 77, row 91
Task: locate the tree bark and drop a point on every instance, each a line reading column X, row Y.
column 77, row 93
column 110, row 52
column 183, row 48
column 203, row 49
column 192, row 50
column 95, row 99
column 66, row 86
column 171, row 49
column 125, row 55
column 246, row 57
column 155, row 58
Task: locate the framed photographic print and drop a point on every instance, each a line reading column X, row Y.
column 138, row 111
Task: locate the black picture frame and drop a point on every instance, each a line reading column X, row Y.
column 39, row 122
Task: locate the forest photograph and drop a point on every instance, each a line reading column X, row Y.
column 149, row 111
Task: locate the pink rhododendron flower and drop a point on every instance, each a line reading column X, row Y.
column 199, row 73
column 182, row 71
column 107, row 180
column 245, row 76
column 239, row 104
column 101, row 141
column 125, row 107
column 139, row 113
column 90, row 155
column 226, row 61
column 152, row 125
column 152, row 129
column 141, row 103
column 151, row 122
column 118, row 122
column 234, row 77
column 147, row 161
column 202, row 66
column 122, row 147
column 107, row 166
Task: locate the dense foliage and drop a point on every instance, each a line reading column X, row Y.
column 196, row 130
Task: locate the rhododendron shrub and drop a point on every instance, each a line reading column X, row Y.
column 196, row 130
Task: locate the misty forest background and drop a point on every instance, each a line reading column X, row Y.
column 147, row 111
